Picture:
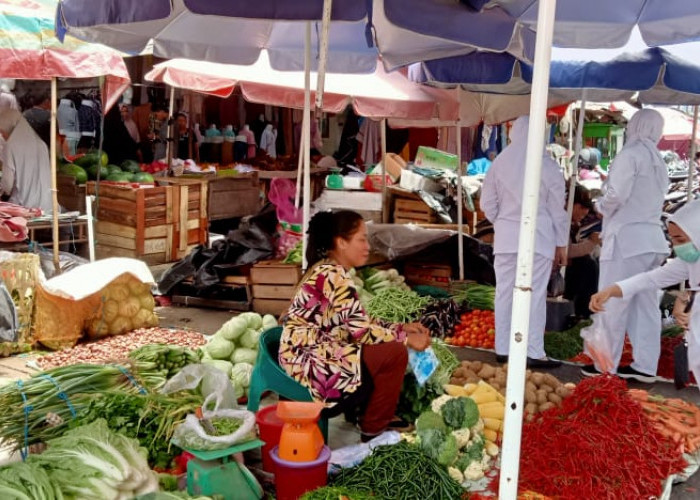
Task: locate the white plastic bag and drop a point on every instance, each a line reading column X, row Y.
column 216, row 387
column 596, row 344
column 191, row 435
column 350, row 456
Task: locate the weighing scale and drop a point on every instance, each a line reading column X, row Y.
column 216, row 473
column 301, row 439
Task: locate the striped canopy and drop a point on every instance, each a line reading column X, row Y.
column 30, row 50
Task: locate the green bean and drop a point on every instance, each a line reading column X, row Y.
column 396, row 305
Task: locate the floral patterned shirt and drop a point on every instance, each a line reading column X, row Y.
column 324, row 332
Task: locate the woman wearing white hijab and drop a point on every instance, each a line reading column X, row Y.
column 634, row 242
column 684, row 230
column 26, row 171
column 501, row 201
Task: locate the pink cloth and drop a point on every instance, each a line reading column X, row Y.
column 250, row 139
column 13, row 221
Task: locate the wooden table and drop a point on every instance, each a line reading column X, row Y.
column 77, row 227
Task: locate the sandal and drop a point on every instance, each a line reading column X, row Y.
column 400, row 425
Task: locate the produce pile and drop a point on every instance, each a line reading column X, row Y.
column 170, row 359
column 475, row 329
column 234, row 348
column 396, row 305
column 117, row 348
column 599, row 444
column 440, row 317
column 90, row 165
column 90, row 461
column 476, row 296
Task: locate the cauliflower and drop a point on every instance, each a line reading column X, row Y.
column 475, row 471
column 436, row 404
column 462, row 436
column 478, row 427
column 409, row 437
column 456, row 474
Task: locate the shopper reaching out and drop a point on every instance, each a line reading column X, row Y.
column 684, row 230
column 330, row 345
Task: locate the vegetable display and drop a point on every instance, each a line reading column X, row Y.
column 491, row 406
column 599, row 444
column 337, row 493
column 294, row 256
column 400, row 472
column 396, row 305
column 225, row 425
column 476, row 296
column 475, row 329
column 448, row 363
column 110, row 349
column 440, row 317
column 170, row 359
column 566, row 344
column 374, row 280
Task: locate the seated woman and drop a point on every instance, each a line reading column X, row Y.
column 330, row 345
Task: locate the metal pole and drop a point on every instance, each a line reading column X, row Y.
column 307, row 140
column 90, row 227
column 171, row 126
column 693, row 147
column 300, row 164
column 522, row 293
column 385, row 212
column 323, row 54
column 54, row 180
column 574, row 168
column 460, row 202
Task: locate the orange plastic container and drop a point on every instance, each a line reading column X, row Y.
column 270, row 427
column 301, row 439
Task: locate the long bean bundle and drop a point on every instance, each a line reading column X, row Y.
column 38, row 408
column 396, row 305
column 400, row 471
column 476, row 296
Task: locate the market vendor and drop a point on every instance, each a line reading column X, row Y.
column 634, row 242
column 26, row 170
column 330, row 345
column 582, row 266
column 684, row 231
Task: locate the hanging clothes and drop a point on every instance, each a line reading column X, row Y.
column 250, row 140
column 268, row 141
column 369, row 140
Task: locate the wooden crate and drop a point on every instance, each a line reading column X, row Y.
column 190, row 220
column 274, row 291
column 134, row 222
column 407, row 210
column 71, row 196
column 231, row 197
column 276, row 307
column 273, row 286
column 216, row 296
column 274, row 272
column 427, row 273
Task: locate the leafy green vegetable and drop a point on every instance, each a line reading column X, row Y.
column 438, row 445
column 414, row 399
column 249, row 339
column 396, row 305
column 430, row 420
column 460, row 413
column 241, row 373
column 566, row 344
column 20, row 480
column 448, row 364
column 233, row 328
column 473, row 452
column 219, row 348
column 226, row 425
column 244, row 355
column 169, row 358
column 337, row 493
column 220, row 364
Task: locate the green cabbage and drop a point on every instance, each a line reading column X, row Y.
column 224, row 366
column 220, row 348
column 244, row 355
column 269, row 321
column 254, row 320
column 250, row 339
column 241, row 373
column 233, row 328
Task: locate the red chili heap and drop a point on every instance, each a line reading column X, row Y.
column 599, row 444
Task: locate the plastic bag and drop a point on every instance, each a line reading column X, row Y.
column 423, row 364
column 9, row 323
column 350, row 456
column 289, row 236
column 282, row 193
column 66, row 262
column 596, row 344
column 556, row 285
column 216, row 387
column 191, row 435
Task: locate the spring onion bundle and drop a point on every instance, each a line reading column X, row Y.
column 477, row 296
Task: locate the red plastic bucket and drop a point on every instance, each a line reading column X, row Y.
column 270, row 426
column 293, row 479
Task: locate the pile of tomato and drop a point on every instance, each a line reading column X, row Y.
column 475, row 329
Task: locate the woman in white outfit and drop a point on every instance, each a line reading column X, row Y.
column 634, row 242
column 501, row 201
column 684, row 230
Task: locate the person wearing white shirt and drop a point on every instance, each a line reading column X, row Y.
column 684, row 230
column 501, row 200
column 634, row 242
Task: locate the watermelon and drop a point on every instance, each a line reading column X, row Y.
column 114, row 169
column 91, row 159
column 131, row 166
column 92, row 171
column 74, row 171
column 119, row 177
column 143, row 178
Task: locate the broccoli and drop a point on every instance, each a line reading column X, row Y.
column 439, row 446
column 459, row 413
column 430, row 420
column 475, row 449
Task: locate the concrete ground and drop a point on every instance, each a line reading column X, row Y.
column 208, row 321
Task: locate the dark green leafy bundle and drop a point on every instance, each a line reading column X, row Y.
column 337, row 493
column 566, row 344
column 415, row 399
column 401, row 472
column 448, row 364
column 225, row 426
column 170, row 358
column 151, row 419
column 476, row 296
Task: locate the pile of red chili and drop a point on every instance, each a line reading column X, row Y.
column 598, row 444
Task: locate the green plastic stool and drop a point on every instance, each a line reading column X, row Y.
column 268, row 375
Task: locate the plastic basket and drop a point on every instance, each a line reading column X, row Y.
column 20, row 274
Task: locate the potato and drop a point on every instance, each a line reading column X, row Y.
column 570, row 385
column 470, row 373
column 547, row 388
column 529, row 386
column 495, row 384
column 551, row 380
column 541, row 396
column 562, row 391
column 546, row 406
column 473, row 380
column 530, row 396
column 460, row 372
column 486, row 372
column 528, row 374
column 502, row 391
column 553, row 398
column 531, row 408
column 456, row 380
column 537, row 378
column 476, row 365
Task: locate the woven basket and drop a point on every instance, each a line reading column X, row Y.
column 20, row 275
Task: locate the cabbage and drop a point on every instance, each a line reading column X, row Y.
column 220, row 348
column 269, row 321
column 250, row 339
column 224, row 366
column 233, row 328
column 241, row 373
column 254, row 320
column 244, row 355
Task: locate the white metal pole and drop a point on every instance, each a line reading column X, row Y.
column 574, row 169
column 307, row 140
column 693, row 148
column 54, row 180
column 300, row 165
column 323, row 54
column 90, row 227
column 385, row 172
column 460, row 202
column 522, row 293
column 171, row 126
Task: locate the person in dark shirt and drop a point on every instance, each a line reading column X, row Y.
column 39, row 116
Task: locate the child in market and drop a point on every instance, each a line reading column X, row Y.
column 684, row 231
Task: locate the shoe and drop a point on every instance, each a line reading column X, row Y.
column 400, row 425
column 627, row 372
column 590, row 371
column 543, row 363
column 501, row 358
